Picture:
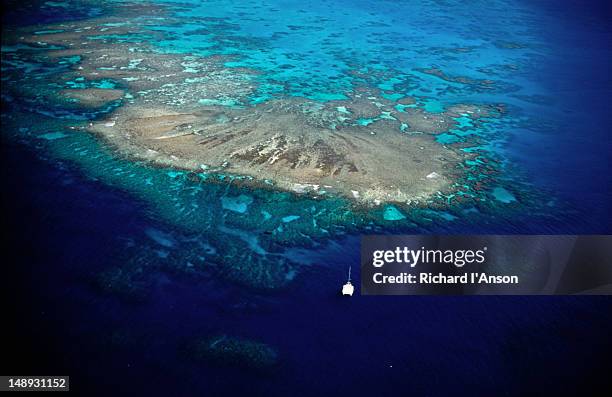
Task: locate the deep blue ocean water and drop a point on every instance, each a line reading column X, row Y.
column 67, row 223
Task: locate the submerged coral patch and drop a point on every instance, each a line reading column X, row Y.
column 235, row 352
column 238, row 204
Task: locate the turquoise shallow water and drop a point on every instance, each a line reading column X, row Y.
column 309, row 49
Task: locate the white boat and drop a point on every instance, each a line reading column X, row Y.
column 348, row 288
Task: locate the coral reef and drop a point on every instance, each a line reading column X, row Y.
column 236, row 352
